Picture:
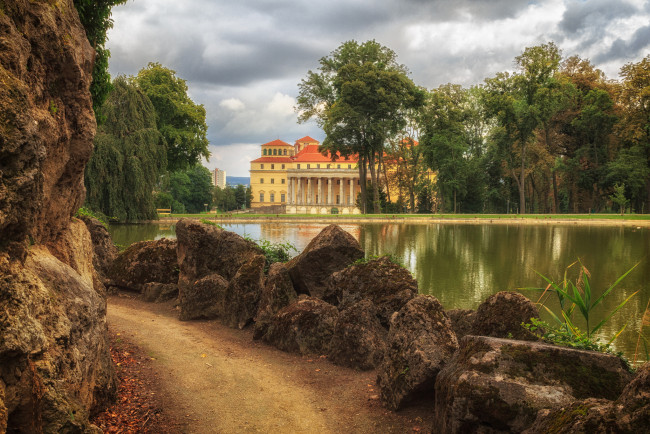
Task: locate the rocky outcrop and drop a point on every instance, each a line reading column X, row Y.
column 359, row 340
column 145, row 262
column 630, row 413
column 277, row 293
column 54, row 351
column 420, row 342
column 388, row 285
column 55, row 366
column 462, row 321
column 159, row 292
column 204, row 299
column 498, row 385
column 502, row 314
column 331, row 250
column 105, row 251
column 304, row 327
column 243, row 293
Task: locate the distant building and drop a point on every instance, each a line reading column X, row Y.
column 219, row 178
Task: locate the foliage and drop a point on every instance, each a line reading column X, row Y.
column 643, row 340
column 85, row 212
column 128, row 157
column 211, row 223
column 274, row 252
column 180, row 121
column 619, row 197
column 560, row 336
column 95, row 16
column 190, row 190
column 366, row 259
column 579, row 293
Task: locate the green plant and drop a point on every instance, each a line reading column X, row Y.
column 273, row 252
column 392, row 258
column 53, row 109
column 208, row 222
column 85, row 212
column 643, row 339
column 566, row 338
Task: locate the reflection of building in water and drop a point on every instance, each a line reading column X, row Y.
column 299, row 235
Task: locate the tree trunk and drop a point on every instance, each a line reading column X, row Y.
column 374, row 184
column 556, row 204
column 522, row 178
column 454, row 201
column 363, row 174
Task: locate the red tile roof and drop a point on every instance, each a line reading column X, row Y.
column 276, row 143
column 306, row 139
column 272, row 159
column 310, row 154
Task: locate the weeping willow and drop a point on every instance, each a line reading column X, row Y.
column 128, row 158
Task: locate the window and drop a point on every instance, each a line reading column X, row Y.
column 318, row 166
column 308, row 166
column 328, row 166
column 338, row 199
column 282, row 197
column 272, row 181
column 261, row 197
column 275, row 152
column 261, row 180
column 349, row 166
column 272, row 166
column 272, row 197
column 298, row 165
column 282, row 180
column 264, row 152
column 285, row 153
column 338, row 166
column 283, row 164
column 338, row 181
column 261, row 166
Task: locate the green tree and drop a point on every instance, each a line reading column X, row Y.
column 240, row 196
column 619, row 197
column 95, row 15
column 192, row 188
column 128, row 157
column 359, row 98
column 180, row 120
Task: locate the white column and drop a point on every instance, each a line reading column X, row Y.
column 341, row 201
column 329, row 189
column 288, row 198
column 320, row 192
column 299, row 191
column 309, row 195
column 352, row 191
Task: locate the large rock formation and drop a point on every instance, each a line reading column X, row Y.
column 502, row 314
column 105, row 251
column 420, row 342
column 55, row 365
column 630, row 413
column 495, row 385
column 388, row 285
column 204, row 299
column 331, row 250
column 277, row 293
column 243, row 293
column 145, row 262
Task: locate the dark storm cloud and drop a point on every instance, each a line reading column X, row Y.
column 479, row 10
column 622, row 51
column 593, row 16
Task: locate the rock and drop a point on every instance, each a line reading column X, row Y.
column 420, row 342
column 304, row 327
column 145, row 262
column 243, row 294
column 501, row 315
column 630, row 413
column 330, row 251
column 203, row 299
column 462, row 321
column 277, row 293
column 105, row 251
column 159, row 292
column 494, row 384
column 359, row 340
column 388, row 285
column 47, row 122
column 204, row 249
column 54, row 346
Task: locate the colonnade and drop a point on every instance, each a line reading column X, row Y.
column 305, row 190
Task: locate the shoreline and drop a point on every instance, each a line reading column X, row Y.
column 283, row 218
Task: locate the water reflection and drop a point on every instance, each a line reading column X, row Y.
column 462, row 264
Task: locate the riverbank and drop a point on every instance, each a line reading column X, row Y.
column 636, row 220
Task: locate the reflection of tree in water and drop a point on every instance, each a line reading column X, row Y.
column 127, row 234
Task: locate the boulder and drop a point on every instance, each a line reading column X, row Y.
column 305, row 326
column 204, row 249
column 159, row 292
column 386, row 284
column 204, row 299
column 105, row 251
column 501, row 315
column 494, row 384
column 331, row 250
column 462, row 321
column 277, row 293
column 420, row 342
column 359, row 340
column 243, row 293
column 145, row 262
column 630, row 413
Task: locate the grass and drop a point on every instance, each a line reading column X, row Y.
column 558, row 217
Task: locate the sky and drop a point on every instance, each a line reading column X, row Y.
column 243, row 59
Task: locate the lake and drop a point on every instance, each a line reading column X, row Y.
column 463, row 264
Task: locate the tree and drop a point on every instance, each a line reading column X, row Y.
column 128, row 157
column 180, row 121
column 95, row 15
column 619, row 197
column 359, row 98
column 517, row 103
column 192, row 188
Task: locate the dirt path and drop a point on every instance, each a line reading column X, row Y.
column 220, row 380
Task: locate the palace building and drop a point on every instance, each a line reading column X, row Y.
column 298, row 179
